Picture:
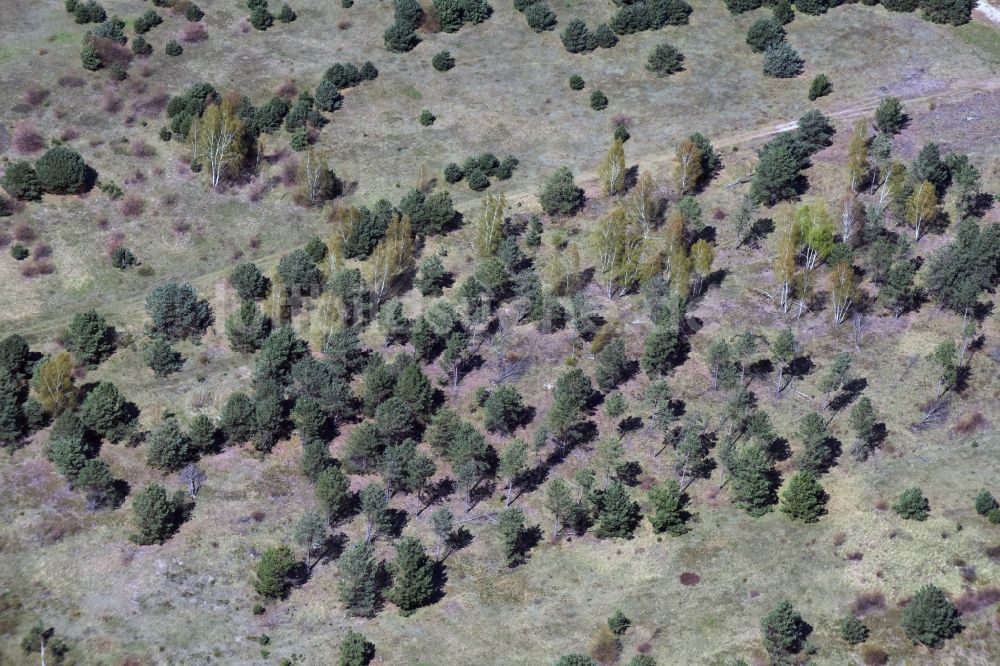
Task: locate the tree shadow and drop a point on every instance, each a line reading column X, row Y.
column 848, row 394
column 799, row 367
column 779, row 449
column 629, row 473
column 459, row 539
column 436, row 492
column 332, row 548
column 759, row 230
column 527, row 540
column 629, row 424
column 396, row 520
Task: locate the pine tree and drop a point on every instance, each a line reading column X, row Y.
column 889, row 116
column 658, row 350
column 333, row 492
column 853, row 630
column 274, row 570
column 930, row 618
column 168, row 446
column 358, row 582
column 90, row 338
column 765, row 33
column 804, row 498
column 668, row 502
column 784, row 631
column 817, row 454
column 355, row 650
column 577, row 38
column 155, row 515
column 665, row 60
column 412, row 576
column 510, row 525
column 753, row 480
column 912, row 505
column 619, row 514
column 106, row 412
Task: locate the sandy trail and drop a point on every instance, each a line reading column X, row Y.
column 989, row 11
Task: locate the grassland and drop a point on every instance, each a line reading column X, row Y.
column 189, row 600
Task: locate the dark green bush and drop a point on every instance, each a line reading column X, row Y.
column 820, row 87
column 814, row 7
column 453, row 173
column 598, row 100
column 427, row 118
column 576, row 82
column 140, row 46
column 443, row 61
column 782, row 62
column 122, row 258
column 540, row 17
column 665, row 60
column 149, row 20
column 61, row 170
column 477, row 180
column 21, row 181
column 764, row 33
column 173, row 49
column 740, row 6
column 19, row 252
column 193, row 13
column 577, row 38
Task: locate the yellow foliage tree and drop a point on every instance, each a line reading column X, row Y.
column 392, row 256
column 489, row 225
column 922, row 207
column 218, row 139
column 53, row 385
column 688, row 169
column 612, row 169
column 702, row 257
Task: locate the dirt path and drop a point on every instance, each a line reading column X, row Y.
column 41, row 330
column 990, row 11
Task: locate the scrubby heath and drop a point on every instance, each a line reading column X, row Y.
column 464, row 331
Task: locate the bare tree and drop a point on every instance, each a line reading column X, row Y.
column 193, row 476
column 217, row 138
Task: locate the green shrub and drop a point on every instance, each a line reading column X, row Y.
column 814, row 7
column 954, row 12
column 61, row 170
column 453, row 173
column 260, row 18
column 598, row 100
column 560, row 194
column 782, row 62
column 427, row 118
column 763, row 34
column 985, row 502
column 740, row 6
column 901, row 5
column 21, row 181
column 853, row 630
column 477, row 180
column 355, row 650
column 400, row 39
column 783, row 13
column 89, row 58
column 912, row 505
column 665, row 60
column 149, row 20
column 141, row 47
column 286, row 14
column 193, row 13
column 173, row 49
column 89, row 338
column 630, row 19
column 577, row 38
column 443, row 61
column 117, row 71
column 820, row 87
column 540, row 17
column 19, row 252
column 576, row 82
column 155, row 514
column 930, row 618
column 122, row 258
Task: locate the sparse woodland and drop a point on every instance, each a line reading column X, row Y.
column 737, row 388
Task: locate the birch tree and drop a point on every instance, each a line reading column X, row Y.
column 392, row 256
column 688, row 169
column 702, row 256
column 921, row 208
column 843, row 290
column 784, row 261
column 858, row 167
column 315, row 176
column 218, row 138
column 612, row 169
column 489, row 225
